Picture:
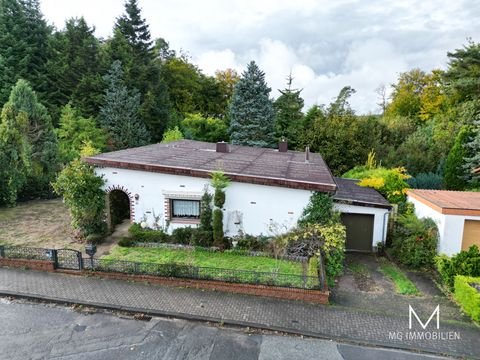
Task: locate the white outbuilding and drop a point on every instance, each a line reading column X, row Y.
column 456, row 213
column 161, row 186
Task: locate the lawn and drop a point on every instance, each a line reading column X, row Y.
column 202, row 258
column 403, row 285
column 38, row 223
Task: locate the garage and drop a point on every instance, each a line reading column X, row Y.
column 359, row 229
column 364, row 212
column 456, row 213
column 471, row 234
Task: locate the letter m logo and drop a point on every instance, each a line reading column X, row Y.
column 424, row 326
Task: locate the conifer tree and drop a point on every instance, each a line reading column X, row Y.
column 132, row 45
column 288, row 113
column 252, row 119
column 74, row 69
column 23, row 45
column 455, row 173
column 119, row 115
column 14, row 154
column 41, row 137
column 472, row 148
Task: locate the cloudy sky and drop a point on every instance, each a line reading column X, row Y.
column 326, row 44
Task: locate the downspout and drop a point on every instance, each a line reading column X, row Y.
column 384, row 233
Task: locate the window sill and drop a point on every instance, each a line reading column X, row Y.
column 185, row 221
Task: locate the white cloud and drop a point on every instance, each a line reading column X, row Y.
column 326, row 44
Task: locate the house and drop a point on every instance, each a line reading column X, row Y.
column 161, row 185
column 456, row 213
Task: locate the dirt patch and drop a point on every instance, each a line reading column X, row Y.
column 38, row 223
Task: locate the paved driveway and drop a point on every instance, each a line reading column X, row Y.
column 363, row 286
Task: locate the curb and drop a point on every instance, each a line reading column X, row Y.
column 237, row 323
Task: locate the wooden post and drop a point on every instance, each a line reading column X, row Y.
column 109, row 213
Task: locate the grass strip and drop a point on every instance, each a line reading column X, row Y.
column 403, row 285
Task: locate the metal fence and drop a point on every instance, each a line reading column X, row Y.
column 72, row 259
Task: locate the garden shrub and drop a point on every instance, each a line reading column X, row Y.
column 83, row 194
column 126, row 242
column 206, row 211
column 217, row 227
column 252, row 243
column 468, row 296
column 219, row 198
column 182, row 235
column 147, row 235
column 466, row 263
column 319, row 210
column 201, row 237
column 415, row 241
column 391, row 183
column 315, row 239
column 426, row 181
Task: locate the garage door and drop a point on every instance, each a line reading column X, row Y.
column 359, row 231
column 471, row 234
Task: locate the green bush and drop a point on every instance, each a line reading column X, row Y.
column 219, row 198
column 147, row 235
column 319, row 210
column 83, row 193
column 206, row 212
column 200, row 237
column 466, row 263
column 316, row 239
column 415, row 241
column 467, row 296
column 182, row 235
column 126, row 242
column 426, row 181
column 217, row 227
column 253, row 243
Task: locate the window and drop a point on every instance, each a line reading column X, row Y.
column 185, row 209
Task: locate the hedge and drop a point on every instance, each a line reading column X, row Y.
column 467, row 296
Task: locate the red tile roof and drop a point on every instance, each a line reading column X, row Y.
column 242, row 163
column 449, row 202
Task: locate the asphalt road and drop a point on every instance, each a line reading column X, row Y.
column 30, row 330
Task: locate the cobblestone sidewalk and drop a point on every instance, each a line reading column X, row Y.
column 333, row 322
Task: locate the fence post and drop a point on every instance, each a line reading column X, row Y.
column 2, row 251
column 54, row 258
column 80, row 260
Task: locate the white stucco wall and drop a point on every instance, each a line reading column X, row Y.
column 450, row 227
column 258, row 206
column 380, row 219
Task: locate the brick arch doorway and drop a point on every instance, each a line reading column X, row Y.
column 119, row 206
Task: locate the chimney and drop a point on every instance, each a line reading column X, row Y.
column 283, row 146
column 222, row 147
column 307, row 154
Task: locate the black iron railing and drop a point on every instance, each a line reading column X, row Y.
column 72, row 259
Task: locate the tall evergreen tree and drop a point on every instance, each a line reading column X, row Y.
column 132, row 45
column 42, row 139
column 455, row 173
column 23, row 46
column 288, row 113
column 14, row 154
column 119, row 115
column 252, row 118
column 472, row 148
column 462, row 76
column 75, row 67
